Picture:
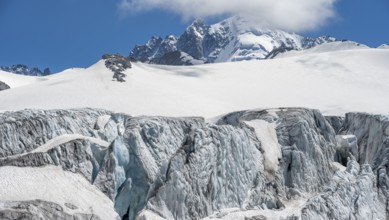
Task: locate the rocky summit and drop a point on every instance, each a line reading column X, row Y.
column 283, row 163
column 234, row 39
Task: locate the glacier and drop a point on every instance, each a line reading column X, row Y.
column 335, row 73
column 272, row 163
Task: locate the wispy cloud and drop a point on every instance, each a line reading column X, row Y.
column 292, row 15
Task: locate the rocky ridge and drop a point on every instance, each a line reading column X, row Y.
column 25, row 70
column 234, row 39
column 117, row 64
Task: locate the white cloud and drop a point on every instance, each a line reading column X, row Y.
column 293, row 15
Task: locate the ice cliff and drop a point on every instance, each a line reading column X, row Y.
column 286, row 163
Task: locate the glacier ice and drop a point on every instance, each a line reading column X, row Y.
column 284, row 163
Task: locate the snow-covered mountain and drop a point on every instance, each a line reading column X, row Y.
column 25, row 70
column 354, row 78
column 383, row 46
column 110, row 141
column 233, row 39
column 15, row 80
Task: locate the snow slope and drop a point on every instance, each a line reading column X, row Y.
column 333, row 81
column 15, row 80
column 266, row 133
column 327, row 47
column 69, row 188
column 67, row 138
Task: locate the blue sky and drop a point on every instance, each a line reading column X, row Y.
column 75, row 33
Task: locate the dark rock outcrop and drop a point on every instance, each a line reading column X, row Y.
column 117, row 64
column 25, row 70
column 176, row 58
column 3, row 86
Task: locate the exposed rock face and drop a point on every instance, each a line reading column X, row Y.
column 260, row 164
column 25, row 70
column 277, row 51
column 234, row 39
column 3, row 86
column 117, row 64
column 176, row 58
column 156, row 47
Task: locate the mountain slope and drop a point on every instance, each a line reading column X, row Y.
column 325, row 48
column 234, row 39
column 383, row 46
column 334, row 82
column 16, row 80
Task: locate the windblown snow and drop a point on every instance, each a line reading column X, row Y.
column 335, row 81
column 266, row 133
column 15, row 80
column 31, row 183
column 67, row 138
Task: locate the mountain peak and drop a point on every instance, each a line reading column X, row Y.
column 233, row 39
column 198, row 22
